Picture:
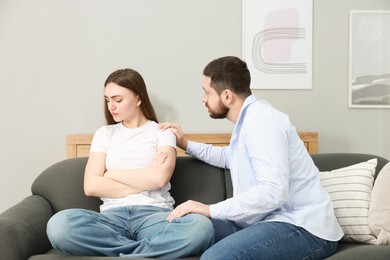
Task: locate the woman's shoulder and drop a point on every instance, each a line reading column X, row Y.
column 107, row 129
column 151, row 124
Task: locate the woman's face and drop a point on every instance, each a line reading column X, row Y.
column 122, row 103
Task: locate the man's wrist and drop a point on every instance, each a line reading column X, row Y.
column 183, row 144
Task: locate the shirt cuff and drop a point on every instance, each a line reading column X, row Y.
column 191, row 148
column 216, row 211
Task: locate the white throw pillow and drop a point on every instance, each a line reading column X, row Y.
column 379, row 216
column 350, row 190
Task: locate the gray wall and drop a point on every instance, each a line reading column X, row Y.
column 55, row 56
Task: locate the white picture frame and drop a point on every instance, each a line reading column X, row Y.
column 369, row 59
column 277, row 43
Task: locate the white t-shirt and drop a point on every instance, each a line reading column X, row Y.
column 132, row 148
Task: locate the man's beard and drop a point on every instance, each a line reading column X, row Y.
column 219, row 113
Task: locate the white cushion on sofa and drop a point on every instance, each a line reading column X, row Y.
column 350, row 190
column 379, row 215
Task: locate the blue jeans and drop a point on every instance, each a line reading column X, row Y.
column 137, row 231
column 266, row 240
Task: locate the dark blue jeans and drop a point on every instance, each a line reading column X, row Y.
column 266, row 240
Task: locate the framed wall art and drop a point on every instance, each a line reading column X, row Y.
column 369, row 59
column 277, row 43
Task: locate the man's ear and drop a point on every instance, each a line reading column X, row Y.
column 227, row 96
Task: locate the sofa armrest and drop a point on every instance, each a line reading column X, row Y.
column 23, row 228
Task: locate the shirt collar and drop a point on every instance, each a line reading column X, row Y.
column 249, row 100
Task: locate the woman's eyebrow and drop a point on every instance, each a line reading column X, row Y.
column 115, row 96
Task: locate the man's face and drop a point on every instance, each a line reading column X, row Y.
column 213, row 101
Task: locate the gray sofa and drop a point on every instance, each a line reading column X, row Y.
column 23, row 227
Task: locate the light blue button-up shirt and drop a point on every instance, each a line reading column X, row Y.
column 273, row 176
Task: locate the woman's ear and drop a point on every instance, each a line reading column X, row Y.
column 138, row 101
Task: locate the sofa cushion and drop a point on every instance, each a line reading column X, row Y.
column 57, row 255
column 350, row 190
column 379, row 215
column 360, row 252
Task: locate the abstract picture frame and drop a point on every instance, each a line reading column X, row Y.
column 369, row 59
column 277, row 43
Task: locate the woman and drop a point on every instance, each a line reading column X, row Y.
column 129, row 167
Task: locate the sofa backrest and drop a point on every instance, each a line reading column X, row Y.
column 62, row 184
column 332, row 161
column 327, row 162
column 196, row 180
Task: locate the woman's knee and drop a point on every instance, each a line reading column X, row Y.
column 62, row 225
column 202, row 231
column 199, row 222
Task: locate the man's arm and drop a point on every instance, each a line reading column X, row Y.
column 214, row 155
column 154, row 177
column 264, row 162
column 98, row 185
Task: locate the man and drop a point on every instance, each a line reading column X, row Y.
column 279, row 209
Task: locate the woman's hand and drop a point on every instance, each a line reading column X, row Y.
column 98, row 184
column 158, row 159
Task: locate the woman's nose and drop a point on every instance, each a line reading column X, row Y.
column 111, row 106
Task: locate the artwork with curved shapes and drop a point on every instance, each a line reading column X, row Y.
column 277, row 43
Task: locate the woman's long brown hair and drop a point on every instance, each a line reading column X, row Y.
column 133, row 81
